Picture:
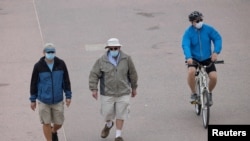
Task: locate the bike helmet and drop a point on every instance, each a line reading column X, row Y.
column 195, row 15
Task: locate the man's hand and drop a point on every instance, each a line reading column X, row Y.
column 33, row 106
column 190, row 61
column 134, row 93
column 214, row 57
column 95, row 94
column 68, row 101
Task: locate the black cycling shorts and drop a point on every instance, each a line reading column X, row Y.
column 205, row 62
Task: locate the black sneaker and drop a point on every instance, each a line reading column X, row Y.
column 54, row 136
column 210, row 99
column 194, row 98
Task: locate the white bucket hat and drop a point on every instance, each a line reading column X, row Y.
column 113, row 42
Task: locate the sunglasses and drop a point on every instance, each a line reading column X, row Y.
column 115, row 48
column 199, row 20
column 50, row 52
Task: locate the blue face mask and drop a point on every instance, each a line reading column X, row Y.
column 114, row 53
column 50, row 56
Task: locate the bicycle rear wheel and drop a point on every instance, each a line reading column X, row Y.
column 205, row 109
column 197, row 105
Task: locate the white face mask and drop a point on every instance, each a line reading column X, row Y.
column 199, row 25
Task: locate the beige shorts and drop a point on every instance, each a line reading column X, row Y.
column 51, row 113
column 115, row 107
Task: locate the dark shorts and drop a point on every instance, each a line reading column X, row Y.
column 205, row 62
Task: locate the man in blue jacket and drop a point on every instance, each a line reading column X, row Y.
column 197, row 46
column 49, row 80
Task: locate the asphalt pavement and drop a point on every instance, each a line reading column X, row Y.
column 151, row 32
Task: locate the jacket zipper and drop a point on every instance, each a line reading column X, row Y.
column 117, row 86
column 51, row 75
column 200, row 44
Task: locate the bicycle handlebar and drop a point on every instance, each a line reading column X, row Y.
column 214, row 62
column 219, row 62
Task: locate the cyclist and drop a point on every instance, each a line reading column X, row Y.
column 202, row 43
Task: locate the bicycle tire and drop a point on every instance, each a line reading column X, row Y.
column 205, row 109
column 197, row 105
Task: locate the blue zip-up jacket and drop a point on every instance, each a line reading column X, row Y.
column 197, row 43
column 48, row 86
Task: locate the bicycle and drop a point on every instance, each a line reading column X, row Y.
column 201, row 83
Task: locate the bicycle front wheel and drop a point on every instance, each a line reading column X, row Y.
column 205, row 109
column 197, row 105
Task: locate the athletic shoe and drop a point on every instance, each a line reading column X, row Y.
column 105, row 130
column 194, row 98
column 54, row 136
column 119, row 139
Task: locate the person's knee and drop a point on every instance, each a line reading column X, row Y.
column 191, row 74
column 47, row 125
column 213, row 76
column 191, row 71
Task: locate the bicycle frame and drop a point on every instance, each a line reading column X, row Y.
column 202, row 78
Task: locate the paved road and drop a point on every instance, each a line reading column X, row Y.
column 151, row 33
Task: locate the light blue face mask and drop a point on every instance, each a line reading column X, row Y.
column 114, row 53
column 50, row 56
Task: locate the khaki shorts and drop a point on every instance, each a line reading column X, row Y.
column 51, row 113
column 115, row 107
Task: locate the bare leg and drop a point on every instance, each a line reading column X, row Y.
column 56, row 127
column 47, row 132
column 212, row 80
column 119, row 124
column 191, row 78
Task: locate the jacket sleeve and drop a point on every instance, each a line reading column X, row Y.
column 33, row 84
column 132, row 73
column 66, row 82
column 217, row 41
column 186, row 45
column 94, row 76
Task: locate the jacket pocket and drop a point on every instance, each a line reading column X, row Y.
column 45, row 94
